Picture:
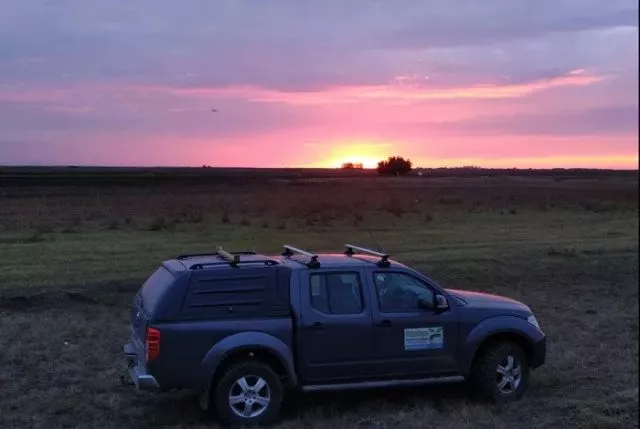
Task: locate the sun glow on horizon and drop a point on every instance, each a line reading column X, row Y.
column 367, row 154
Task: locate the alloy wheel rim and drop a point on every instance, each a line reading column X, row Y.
column 249, row 396
column 509, row 375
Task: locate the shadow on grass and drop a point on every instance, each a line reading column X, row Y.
column 181, row 408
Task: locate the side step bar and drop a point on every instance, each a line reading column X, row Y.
column 382, row 383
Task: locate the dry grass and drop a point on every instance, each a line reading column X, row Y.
column 307, row 201
column 64, row 297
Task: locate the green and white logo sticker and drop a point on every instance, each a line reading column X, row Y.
column 424, row 338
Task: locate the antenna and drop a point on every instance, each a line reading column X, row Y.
column 374, row 240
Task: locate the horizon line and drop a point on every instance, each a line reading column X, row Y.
column 206, row 166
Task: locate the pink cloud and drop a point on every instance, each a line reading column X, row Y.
column 407, row 88
column 76, row 110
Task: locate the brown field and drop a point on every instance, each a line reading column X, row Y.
column 75, row 244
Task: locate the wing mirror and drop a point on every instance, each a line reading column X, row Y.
column 440, row 302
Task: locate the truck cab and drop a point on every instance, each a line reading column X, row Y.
column 244, row 329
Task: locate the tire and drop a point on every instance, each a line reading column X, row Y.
column 230, row 388
column 493, row 378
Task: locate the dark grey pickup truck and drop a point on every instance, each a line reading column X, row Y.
column 244, row 329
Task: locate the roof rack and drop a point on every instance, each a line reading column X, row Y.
column 290, row 251
column 195, row 255
column 351, row 250
column 230, row 258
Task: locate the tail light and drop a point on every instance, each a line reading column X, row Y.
column 153, row 343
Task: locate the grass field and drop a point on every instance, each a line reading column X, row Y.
column 74, row 252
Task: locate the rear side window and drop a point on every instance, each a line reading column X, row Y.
column 336, row 293
column 244, row 292
column 155, row 287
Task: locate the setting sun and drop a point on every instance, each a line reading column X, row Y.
column 367, row 154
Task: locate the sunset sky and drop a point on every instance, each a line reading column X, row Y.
column 494, row 83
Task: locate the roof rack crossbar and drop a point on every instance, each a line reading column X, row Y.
column 351, row 250
column 195, row 255
column 290, row 251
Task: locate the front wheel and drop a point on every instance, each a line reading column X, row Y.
column 249, row 392
column 501, row 373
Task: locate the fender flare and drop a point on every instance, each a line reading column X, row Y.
column 246, row 341
column 495, row 326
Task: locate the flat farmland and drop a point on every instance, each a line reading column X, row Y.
column 76, row 243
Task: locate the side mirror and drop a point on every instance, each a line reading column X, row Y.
column 440, row 302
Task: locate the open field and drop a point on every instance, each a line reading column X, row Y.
column 75, row 250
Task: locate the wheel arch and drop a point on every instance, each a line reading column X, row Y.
column 249, row 345
column 505, row 337
column 497, row 330
column 255, row 353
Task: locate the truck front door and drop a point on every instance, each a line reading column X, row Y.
column 410, row 339
column 334, row 337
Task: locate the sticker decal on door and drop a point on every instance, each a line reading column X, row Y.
column 423, row 338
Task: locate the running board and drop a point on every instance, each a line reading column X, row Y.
column 382, row 383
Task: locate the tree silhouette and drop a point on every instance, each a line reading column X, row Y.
column 352, row 166
column 394, row 166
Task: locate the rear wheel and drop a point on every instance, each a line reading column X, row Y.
column 501, row 373
column 249, row 392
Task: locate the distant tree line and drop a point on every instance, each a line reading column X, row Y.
column 352, row 166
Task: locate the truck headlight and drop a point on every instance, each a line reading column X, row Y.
column 532, row 319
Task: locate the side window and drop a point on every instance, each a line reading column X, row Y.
column 398, row 292
column 336, row 293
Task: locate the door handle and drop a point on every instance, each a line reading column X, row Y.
column 316, row 325
column 384, row 323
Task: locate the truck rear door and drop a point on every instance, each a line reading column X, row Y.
column 334, row 337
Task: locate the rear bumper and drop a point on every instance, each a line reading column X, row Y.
column 138, row 373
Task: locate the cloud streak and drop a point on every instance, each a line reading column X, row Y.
column 404, row 89
column 603, row 121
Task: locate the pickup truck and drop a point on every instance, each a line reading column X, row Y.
column 243, row 330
